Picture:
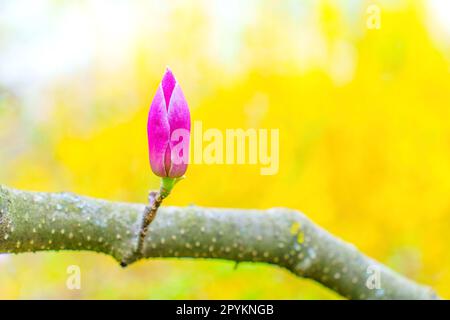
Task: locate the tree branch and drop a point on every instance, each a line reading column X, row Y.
column 31, row 221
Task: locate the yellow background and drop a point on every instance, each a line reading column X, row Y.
column 363, row 116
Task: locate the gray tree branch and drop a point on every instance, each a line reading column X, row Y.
column 32, row 221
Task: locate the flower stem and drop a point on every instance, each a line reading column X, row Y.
column 155, row 200
column 167, row 185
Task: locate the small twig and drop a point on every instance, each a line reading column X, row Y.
column 155, row 199
column 154, row 202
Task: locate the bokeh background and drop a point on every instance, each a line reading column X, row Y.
column 363, row 116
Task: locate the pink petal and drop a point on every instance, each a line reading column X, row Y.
column 158, row 132
column 180, row 124
column 168, row 84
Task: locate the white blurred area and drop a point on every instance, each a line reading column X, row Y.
column 45, row 41
column 440, row 12
column 439, row 23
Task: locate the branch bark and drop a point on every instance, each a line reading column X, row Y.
column 34, row 221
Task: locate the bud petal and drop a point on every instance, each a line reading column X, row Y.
column 168, row 129
column 158, row 132
column 180, row 127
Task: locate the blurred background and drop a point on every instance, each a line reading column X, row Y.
column 363, row 115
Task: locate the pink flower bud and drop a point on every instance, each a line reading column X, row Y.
column 168, row 129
